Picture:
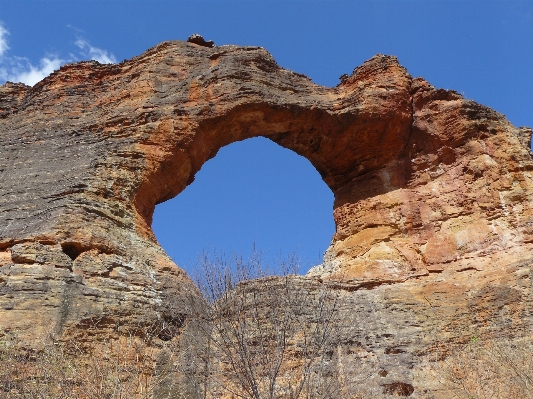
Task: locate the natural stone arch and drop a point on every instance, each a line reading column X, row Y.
column 340, row 144
column 433, row 195
column 139, row 131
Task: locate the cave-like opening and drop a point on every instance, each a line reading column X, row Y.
column 254, row 192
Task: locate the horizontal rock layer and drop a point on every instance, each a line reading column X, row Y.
column 433, row 197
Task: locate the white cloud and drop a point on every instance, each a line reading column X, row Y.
column 3, row 41
column 26, row 73
column 95, row 53
column 20, row 69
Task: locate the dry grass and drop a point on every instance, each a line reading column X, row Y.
column 489, row 369
column 115, row 369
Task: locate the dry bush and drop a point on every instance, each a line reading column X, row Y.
column 112, row 369
column 489, row 368
column 260, row 337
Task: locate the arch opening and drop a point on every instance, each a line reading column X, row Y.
column 254, row 192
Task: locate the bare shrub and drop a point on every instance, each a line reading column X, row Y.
column 261, row 337
column 118, row 368
column 489, row 368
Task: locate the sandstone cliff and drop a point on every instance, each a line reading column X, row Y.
column 433, row 198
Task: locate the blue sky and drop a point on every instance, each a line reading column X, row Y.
column 255, row 191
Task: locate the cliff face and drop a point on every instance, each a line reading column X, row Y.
column 433, row 196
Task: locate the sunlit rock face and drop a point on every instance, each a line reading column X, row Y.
column 433, row 198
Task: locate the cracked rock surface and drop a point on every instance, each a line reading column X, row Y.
column 433, row 197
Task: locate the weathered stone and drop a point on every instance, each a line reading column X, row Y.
column 198, row 39
column 433, row 198
column 37, row 253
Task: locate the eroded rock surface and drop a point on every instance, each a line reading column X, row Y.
column 433, row 197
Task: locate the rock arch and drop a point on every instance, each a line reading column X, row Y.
column 312, row 123
column 427, row 186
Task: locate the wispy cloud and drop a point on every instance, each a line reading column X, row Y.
column 95, row 53
column 3, row 41
column 20, row 69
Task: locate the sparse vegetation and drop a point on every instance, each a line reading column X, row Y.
column 113, row 369
column 247, row 339
column 492, row 368
column 252, row 336
column 261, row 340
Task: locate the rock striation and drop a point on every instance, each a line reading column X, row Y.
column 433, row 198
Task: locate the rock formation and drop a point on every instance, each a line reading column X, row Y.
column 433, row 198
